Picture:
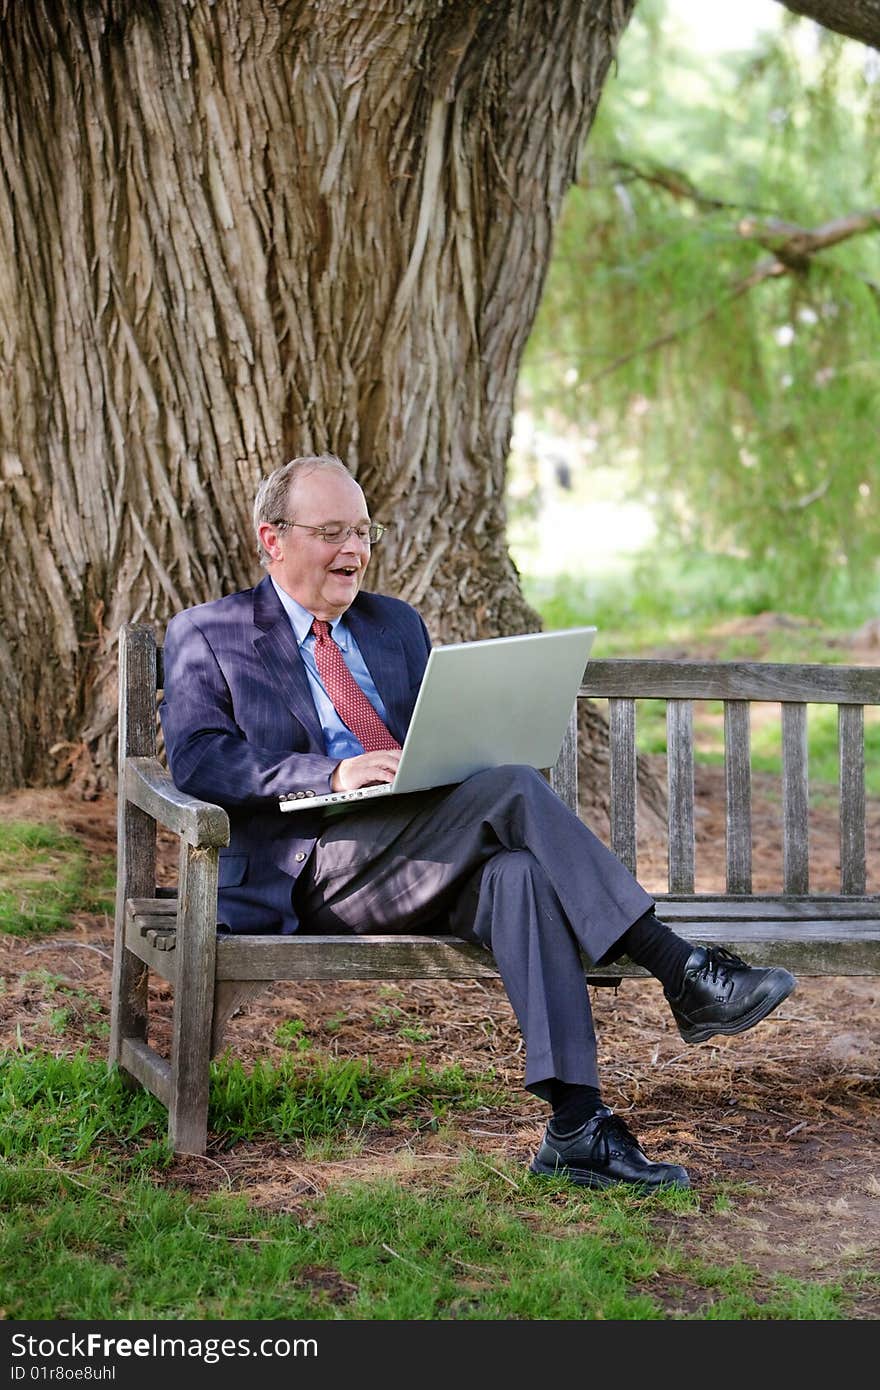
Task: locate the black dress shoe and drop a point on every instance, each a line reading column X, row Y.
column 721, row 994
column 601, row 1153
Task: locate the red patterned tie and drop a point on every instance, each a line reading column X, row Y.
column 351, row 703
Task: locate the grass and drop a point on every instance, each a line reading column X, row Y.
column 71, row 1002
column 92, row 1229
column 45, row 877
column 690, row 604
column 62, row 1106
column 316, row 1097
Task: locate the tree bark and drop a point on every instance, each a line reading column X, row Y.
column 236, row 230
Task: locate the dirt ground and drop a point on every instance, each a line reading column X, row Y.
column 784, row 1119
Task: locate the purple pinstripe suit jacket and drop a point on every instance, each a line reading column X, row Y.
column 241, row 729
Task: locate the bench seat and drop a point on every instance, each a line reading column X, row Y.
column 817, row 935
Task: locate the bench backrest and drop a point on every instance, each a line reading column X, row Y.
column 680, row 684
column 738, row 685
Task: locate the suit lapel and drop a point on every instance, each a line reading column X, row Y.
column 276, row 647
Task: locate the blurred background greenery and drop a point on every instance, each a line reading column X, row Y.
column 697, row 424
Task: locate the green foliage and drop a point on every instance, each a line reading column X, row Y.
column 45, row 876
column 292, row 1034
column 688, row 603
column 734, row 385
column 682, row 611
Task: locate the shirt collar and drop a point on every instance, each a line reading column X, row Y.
column 301, row 619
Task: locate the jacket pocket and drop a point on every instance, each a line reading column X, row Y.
column 233, row 868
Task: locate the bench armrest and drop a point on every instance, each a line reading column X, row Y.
column 149, row 786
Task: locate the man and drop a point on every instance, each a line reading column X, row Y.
column 306, row 684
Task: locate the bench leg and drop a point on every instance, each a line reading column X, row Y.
column 136, row 876
column 196, row 949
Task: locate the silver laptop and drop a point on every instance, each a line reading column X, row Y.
column 480, row 705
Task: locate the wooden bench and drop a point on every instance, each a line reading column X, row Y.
column 175, row 935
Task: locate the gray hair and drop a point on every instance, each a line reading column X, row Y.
column 273, row 494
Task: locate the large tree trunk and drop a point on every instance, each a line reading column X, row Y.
column 236, row 230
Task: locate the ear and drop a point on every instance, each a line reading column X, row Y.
column 270, row 539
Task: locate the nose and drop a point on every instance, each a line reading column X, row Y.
column 353, row 545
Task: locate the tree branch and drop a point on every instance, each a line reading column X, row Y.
column 856, row 19
column 793, row 248
column 672, row 181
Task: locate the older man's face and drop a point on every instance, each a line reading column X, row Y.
column 323, row 577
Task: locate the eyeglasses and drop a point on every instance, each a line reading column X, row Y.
column 334, row 533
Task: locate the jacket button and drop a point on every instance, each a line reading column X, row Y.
column 299, row 856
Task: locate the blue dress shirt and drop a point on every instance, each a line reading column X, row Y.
column 339, row 741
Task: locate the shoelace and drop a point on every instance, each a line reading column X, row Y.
column 611, row 1127
column 718, row 961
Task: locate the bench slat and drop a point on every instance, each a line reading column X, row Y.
column 834, row 946
column 731, row 680
column 151, row 1070
column 769, row 907
column 795, row 800
column 738, row 791
column 563, row 776
column 151, row 936
column 762, row 918
column 680, row 774
column 851, row 740
column 624, row 781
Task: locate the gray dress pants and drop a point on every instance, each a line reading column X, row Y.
column 499, row 859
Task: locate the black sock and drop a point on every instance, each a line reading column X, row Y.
column 572, row 1105
column 649, row 942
